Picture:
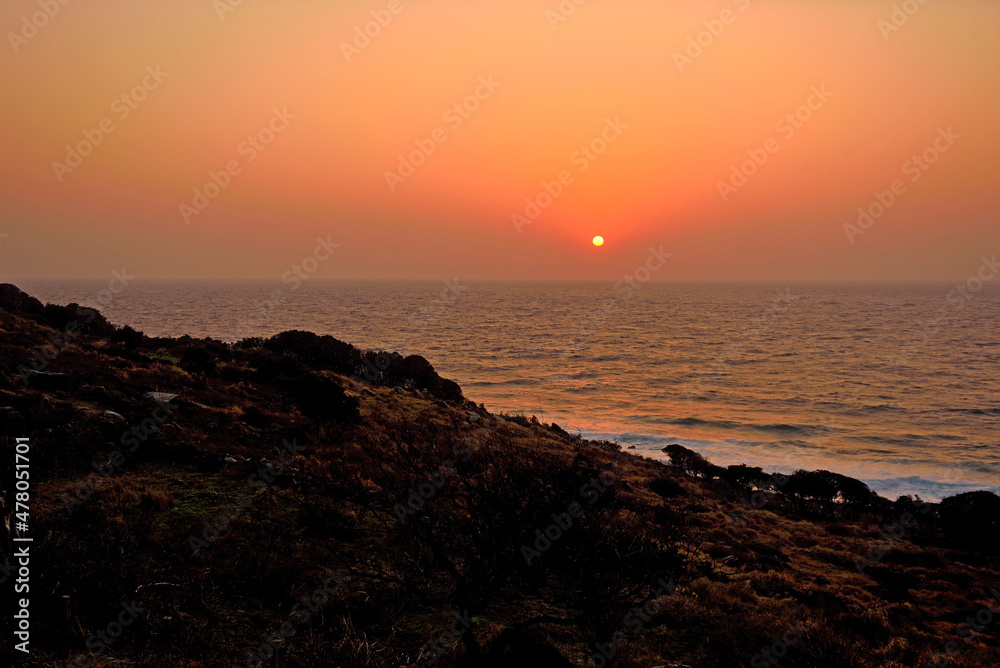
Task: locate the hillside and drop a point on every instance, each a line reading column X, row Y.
column 296, row 501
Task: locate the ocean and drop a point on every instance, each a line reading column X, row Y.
column 894, row 384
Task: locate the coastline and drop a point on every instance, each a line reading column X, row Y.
column 168, row 470
column 774, row 406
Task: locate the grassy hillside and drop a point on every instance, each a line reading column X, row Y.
column 297, row 502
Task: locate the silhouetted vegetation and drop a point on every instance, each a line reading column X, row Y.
column 218, row 485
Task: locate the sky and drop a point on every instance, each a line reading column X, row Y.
column 423, row 139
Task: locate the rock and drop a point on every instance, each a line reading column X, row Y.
column 473, row 418
column 631, row 447
column 114, row 417
column 165, row 397
column 118, row 396
column 46, row 380
column 14, row 300
column 559, row 430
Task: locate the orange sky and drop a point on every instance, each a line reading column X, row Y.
column 673, row 129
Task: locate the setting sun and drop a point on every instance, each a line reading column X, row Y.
column 313, row 277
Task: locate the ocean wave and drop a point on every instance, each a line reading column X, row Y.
column 927, row 489
column 572, row 376
column 514, row 382
column 778, row 428
column 974, row 411
column 875, row 408
column 698, row 422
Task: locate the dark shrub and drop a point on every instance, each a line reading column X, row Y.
column 808, row 491
column 691, row 463
column 198, row 361
column 415, row 372
column 128, row 337
column 742, row 475
column 323, row 400
column 250, row 343
column 666, row 488
column 319, row 352
column 13, row 300
column 972, row 520
column 74, row 316
column 272, row 367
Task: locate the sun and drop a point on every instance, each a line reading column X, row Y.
column 598, row 241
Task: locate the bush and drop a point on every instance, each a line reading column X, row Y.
column 319, row 352
column 86, row 320
column 198, row 361
column 666, row 488
column 323, row 400
column 128, row 337
column 417, row 373
column 742, row 475
column 972, row 520
column 691, row 463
